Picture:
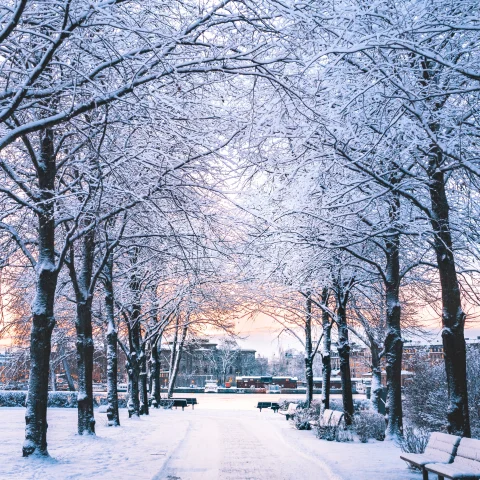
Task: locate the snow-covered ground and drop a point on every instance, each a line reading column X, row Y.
column 225, row 437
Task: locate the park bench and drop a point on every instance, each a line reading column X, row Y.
column 440, row 449
column 466, row 463
column 290, row 411
column 273, row 405
column 190, row 401
column 173, row 402
column 329, row 418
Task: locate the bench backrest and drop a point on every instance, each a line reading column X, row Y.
column 468, row 455
column 292, row 407
column 442, row 447
column 331, row 417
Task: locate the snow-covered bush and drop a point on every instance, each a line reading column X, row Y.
column 12, row 399
column 55, row 399
column 414, row 440
column 426, row 396
column 302, row 418
column 368, row 425
column 326, row 432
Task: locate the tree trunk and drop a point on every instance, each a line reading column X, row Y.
column 86, row 419
column 142, row 383
column 308, row 349
column 178, row 357
column 53, row 383
column 66, row 367
column 344, row 355
column 133, row 405
column 43, row 319
column 155, row 372
column 135, row 340
column 326, row 349
column 453, row 317
column 112, row 345
column 83, row 324
column 172, row 360
column 393, row 340
column 376, row 388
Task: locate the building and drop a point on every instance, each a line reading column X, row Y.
column 202, row 359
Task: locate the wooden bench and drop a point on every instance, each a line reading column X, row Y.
column 190, row 401
column 173, row 402
column 329, row 418
column 273, row 405
column 466, row 463
column 441, row 449
column 290, row 411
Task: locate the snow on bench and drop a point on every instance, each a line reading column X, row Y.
column 441, row 448
column 466, row 464
column 290, row 411
column 330, row 418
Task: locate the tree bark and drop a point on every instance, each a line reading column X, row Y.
column 172, row 359
column 66, row 367
column 393, row 340
column 142, row 383
column 308, row 349
column 43, row 319
column 112, row 346
column 83, row 324
column 176, row 366
column 155, row 372
column 453, row 317
column 376, row 376
column 326, row 349
column 344, row 353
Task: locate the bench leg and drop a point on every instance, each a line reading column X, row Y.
column 441, row 477
column 183, row 408
column 425, row 474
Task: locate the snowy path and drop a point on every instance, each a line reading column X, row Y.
column 240, row 447
column 222, row 439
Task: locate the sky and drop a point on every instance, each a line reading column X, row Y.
column 262, row 333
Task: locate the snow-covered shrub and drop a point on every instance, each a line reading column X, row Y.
column 414, row 440
column 426, row 399
column 368, row 425
column 12, row 399
column 302, row 418
column 326, row 432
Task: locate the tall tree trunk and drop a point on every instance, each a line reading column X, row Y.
column 86, row 419
column 142, row 383
column 83, row 324
column 326, row 349
column 178, row 357
column 308, row 349
column 344, row 353
column 135, row 340
column 43, row 319
column 66, row 367
column 155, row 371
column 173, row 355
column 393, row 340
column 112, row 346
column 53, row 383
column 453, row 317
column 376, row 388
column 133, row 404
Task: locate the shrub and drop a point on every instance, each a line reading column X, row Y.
column 326, row 432
column 302, row 418
column 414, row 440
column 426, row 403
column 368, row 424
